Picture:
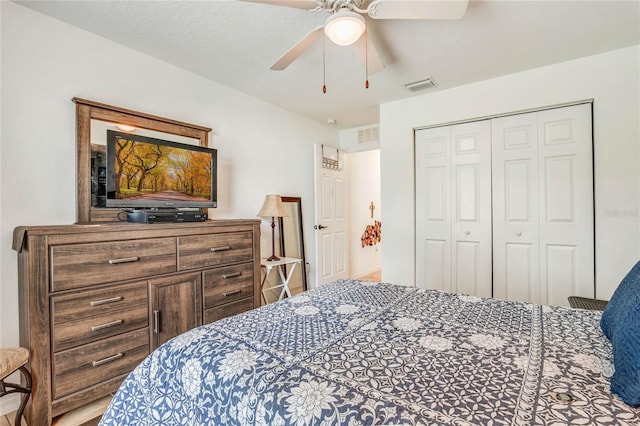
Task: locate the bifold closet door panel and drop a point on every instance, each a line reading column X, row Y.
column 453, row 208
column 433, row 208
column 471, row 208
column 567, row 255
column 543, row 238
column 516, row 235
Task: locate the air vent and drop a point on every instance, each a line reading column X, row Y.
column 369, row 134
column 420, row 85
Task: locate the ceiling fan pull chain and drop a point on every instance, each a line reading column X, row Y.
column 366, row 59
column 324, row 68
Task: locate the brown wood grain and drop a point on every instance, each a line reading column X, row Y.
column 76, row 368
column 62, row 269
column 87, row 316
column 83, row 155
column 223, row 311
column 227, row 284
column 176, row 299
column 81, row 265
column 211, row 250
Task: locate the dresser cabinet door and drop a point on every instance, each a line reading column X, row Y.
column 175, row 306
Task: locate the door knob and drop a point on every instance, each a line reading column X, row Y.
column 467, row 232
column 319, row 227
column 518, row 234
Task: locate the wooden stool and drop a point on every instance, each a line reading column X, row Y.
column 13, row 359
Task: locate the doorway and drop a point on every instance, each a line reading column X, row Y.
column 348, row 227
column 364, row 207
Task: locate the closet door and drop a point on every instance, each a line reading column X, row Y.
column 516, row 240
column 453, row 208
column 543, row 206
column 433, row 208
column 567, row 254
column 471, row 208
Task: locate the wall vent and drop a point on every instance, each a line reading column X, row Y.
column 369, row 134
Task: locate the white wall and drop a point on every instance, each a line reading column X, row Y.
column 45, row 63
column 612, row 79
column 364, row 187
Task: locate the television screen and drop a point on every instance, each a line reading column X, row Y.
column 145, row 172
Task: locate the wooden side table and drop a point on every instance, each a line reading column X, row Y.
column 285, row 275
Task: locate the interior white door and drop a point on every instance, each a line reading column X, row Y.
column 567, row 253
column 471, row 208
column 330, row 214
column 543, row 206
column 433, row 208
column 453, row 208
column 516, row 244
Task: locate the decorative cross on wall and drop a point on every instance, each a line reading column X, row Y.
column 372, row 207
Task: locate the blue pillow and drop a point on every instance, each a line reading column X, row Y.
column 620, row 322
column 620, row 302
column 625, row 381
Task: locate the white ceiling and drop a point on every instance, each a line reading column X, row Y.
column 235, row 43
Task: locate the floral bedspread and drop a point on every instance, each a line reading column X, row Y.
column 359, row 353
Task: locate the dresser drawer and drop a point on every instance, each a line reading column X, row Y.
column 91, row 315
column 214, row 249
column 223, row 311
column 90, row 364
column 81, row 265
column 227, row 284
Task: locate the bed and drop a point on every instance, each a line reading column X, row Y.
column 362, row 353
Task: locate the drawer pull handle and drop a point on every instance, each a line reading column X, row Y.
column 232, row 275
column 105, row 301
column 231, row 293
column 123, row 260
column 107, row 325
column 107, row 359
column 223, row 248
column 156, row 322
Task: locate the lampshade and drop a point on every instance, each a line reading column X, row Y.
column 344, row 27
column 272, row 207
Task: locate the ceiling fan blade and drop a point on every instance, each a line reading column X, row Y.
column 417, row 9
column 298, row 4
column 298, row 49
column 368, row 54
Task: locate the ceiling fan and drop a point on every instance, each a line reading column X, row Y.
column 346, row 24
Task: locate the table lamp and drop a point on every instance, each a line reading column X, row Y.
column 273, row 208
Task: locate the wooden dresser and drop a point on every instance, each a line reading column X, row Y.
column 96, row 299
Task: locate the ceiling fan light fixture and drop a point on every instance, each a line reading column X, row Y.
column 344, row 27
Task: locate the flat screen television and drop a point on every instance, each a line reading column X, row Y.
column 145, row 172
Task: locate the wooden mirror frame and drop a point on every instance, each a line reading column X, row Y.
column 303, row 265
column 86, row 111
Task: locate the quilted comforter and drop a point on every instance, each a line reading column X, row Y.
column 360, row 353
